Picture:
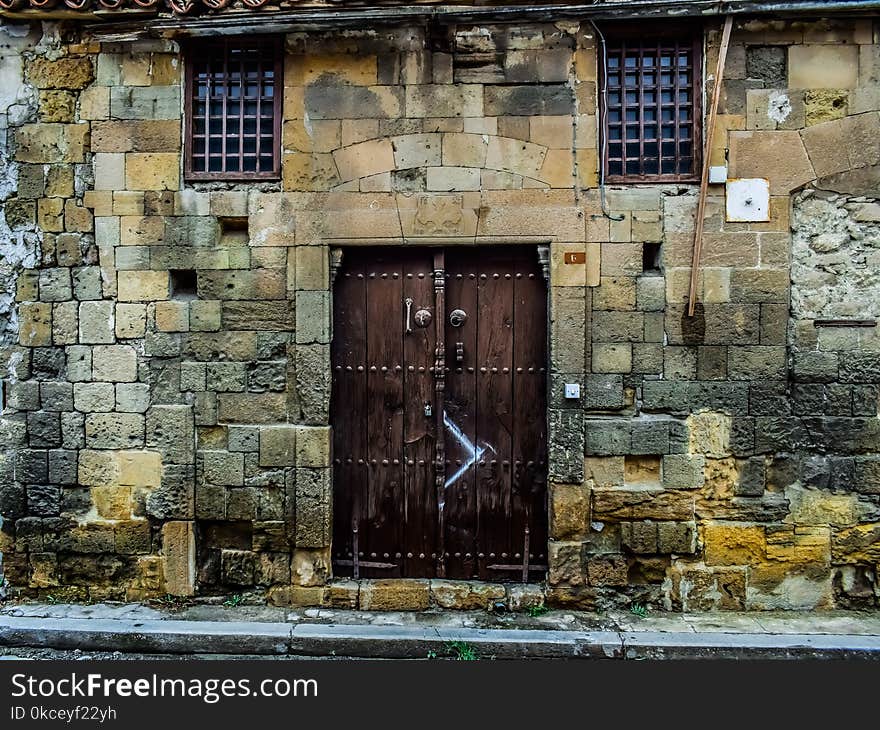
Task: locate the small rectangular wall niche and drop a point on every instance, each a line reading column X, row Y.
column 234, row 231
column 184, row 284
column 651, row 258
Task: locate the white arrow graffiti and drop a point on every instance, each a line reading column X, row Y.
column 474, row 452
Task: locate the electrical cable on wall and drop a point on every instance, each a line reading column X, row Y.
column 604, row 122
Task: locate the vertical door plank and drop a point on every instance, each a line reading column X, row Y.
column 420, row 509
column 529, row 494
column 385, row 499
column 494, row 411
column 348, row 409
column 460, row 418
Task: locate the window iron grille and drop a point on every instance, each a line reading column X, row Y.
column 233, row 110
column 652, row 109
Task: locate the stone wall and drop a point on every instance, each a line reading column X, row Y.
column 166, row 428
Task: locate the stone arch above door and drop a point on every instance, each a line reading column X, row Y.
column 446, row 162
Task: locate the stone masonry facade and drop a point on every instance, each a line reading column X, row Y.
column 164, row 345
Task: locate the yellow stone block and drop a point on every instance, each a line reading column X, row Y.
column 364, row 159
column 358, row 70
column 112, row 502
column 164, row 69
column 35, row 324
column 100, row 201
column 127, row 203
column 588, row 167
column 709, row 434
column 59, row 182
column 143, row 286
column 308, row 172
column 319, row 135
column 464, row 150
column 558, row 168
column 94, row 103
column 140, row 468
column 734, row 543
column 50, row 214
column 152, row 171
column 555, row 132
column 294, row 103
column 98, row 468
column 585, row 64
column 48, row 143
column 172, row 316
column 77, row 218
column 136, row 70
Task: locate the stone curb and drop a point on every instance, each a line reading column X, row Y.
column 366, row 641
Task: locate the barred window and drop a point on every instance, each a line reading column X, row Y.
column 651, row 108
column 233, row 106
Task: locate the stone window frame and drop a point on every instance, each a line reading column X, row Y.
column 272, row 53
column 623, row 37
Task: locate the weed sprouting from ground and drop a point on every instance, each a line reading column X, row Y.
column 234, row 600
column 462, row 651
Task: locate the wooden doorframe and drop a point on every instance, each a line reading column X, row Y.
column 541, row 246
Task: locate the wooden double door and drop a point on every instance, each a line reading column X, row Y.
column 439, row 362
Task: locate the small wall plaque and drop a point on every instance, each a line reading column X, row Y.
column 748, row 200
column 575, row 257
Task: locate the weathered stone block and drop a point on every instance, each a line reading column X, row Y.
column 44, row 429
column 273, row 315
column 757, row 363
column 312, row 317
column 56, row 396
column 813, row 66
column 312, row 444
column 96, row 322
column 642, row 504
column 639, row 537
column 114, row 363
column 612, row 358
column 277, row 445
column 676, row 537
column 93, row 397
column 731, row 543
column 683, row 471
column 132, row 397
column 143, row 286
column 569, row 511
column 170, row 429
column 35, row 324
column 222, row 468
column 258, row 284
column 114, row 430
column 395, row 595
column 51, row 143
column 754, row 153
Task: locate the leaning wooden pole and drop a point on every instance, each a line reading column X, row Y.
column 707, row 152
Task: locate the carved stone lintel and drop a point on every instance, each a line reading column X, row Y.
column 544, row 261
column 335, row 263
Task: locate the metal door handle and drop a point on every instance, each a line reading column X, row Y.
column 407, row 321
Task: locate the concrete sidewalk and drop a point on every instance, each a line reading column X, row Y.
column 201, row 630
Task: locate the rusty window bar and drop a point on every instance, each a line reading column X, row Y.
column 233, row 110
column 652, row 132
